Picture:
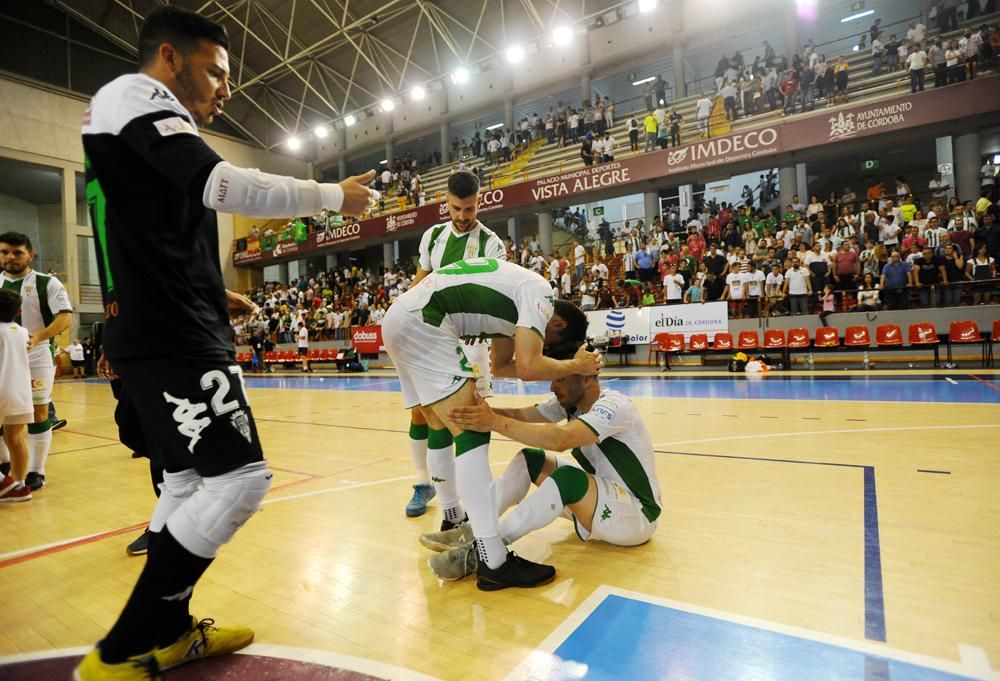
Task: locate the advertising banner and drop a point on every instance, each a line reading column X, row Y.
column 706, row 318
column 367, row 340
column 630, row 323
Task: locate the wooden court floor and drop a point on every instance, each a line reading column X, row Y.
column 752, row 526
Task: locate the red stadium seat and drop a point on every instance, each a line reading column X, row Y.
column 887, row 335
column 674, row 342
column 328, row 354
column 798, row 338
column 723, row 341
column 774, row 339
column 964, row 332
column 857, row 337
column 270, row 356
column 923, row 333
column 996, row 331
column 698, row 342
column 315, row 355
column 748, row 340
column 827, row 337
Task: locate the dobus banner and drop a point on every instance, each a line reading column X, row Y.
column 367, row 340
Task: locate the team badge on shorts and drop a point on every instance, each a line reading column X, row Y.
column 37, row 384
column 241, row 424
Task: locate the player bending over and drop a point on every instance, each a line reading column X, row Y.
column 424, row 333
column 611, row 493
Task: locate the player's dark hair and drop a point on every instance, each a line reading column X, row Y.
column 564, row 350
column 463, row 184
column 10, row 303
column 16, row 239
column 575, row 330
column 181, row 28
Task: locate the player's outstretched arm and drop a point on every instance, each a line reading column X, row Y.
column 532, row 365
column 250, row 192
column 549, row 436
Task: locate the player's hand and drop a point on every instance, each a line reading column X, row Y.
column 589, row 362
column 358, row 198
column 239, row 304
column 479, row 417
column 104, row 369
column 33, row 340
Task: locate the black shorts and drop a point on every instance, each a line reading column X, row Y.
column 78, row 363
column 129, row 426
column 303, row 352
column 193, row 412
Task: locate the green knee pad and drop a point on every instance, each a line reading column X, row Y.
column 40, row 427
column 468, row 440
column 534, row 459
column 438, row 439
column 572, row 483
column 418, row 432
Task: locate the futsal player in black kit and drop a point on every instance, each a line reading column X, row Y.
column 153, row 187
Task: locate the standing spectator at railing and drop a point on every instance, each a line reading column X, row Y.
column 954, row 272
column 846, row 268
column 798, row 288
column 579, row 260
column 588, row 294
column 892, row 53
column 929, row 271
column 938, row 62
column 650, row 125
column 938, row 188
column 587, row 150
column 735, row 293
column 973, row 43
column 774, row 286
column 989, row 234
column 988, row 178
column 673, row 286
column 955, row 63
column 632, row 128
column 703, row 111
column 916, row 63
column 660, row 86
column 728, row 93
column 878, row 54
column 980, row 269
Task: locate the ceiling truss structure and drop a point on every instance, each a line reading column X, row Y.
column 296, row 64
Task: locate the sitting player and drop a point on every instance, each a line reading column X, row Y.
column 611, row 494
column 16, row 410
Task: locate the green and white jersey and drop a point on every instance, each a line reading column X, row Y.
column 441, row 245
column 482, row 298
column 624, row 452
column 42, row 298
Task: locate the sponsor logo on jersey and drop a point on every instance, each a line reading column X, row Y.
column 176, row 125
column 605, row 513
column 159, row 93
column 187, row 415
column 603, row 413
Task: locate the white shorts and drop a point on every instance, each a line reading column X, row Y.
column 479, row 358
column 618, row 518
column 432, row 363
column 16, row 419
column 42, row 379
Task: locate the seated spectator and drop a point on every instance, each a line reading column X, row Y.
column 868, row 295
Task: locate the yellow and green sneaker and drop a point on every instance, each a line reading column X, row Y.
column 203, row 640
column 138, row 668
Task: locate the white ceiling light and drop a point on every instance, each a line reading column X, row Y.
column 494, row 126
column 294, row 143
column 859, row 15
column 461, row 75
column 562, row 36
column 388, row 105
column 350, row 120
column 515, row 54
column 320, row 131
column 647, row 5
column 418, row 93
column 644, row 80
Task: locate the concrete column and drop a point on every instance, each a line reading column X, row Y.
column 791, row 33
column 341, row 152
column 388, row 254
column 651, row 206
column 545, row 231
column 967, row 164
column 331, row 262
column 390, row 151
column 508, row 114
column 787, row 186
column 586, row 94
column 444, row 142
column 946, row 157
column 283, row 272
column 342, row 168
column 680, row 88
column 685, row 200
column 802, row 182
column 512, row 230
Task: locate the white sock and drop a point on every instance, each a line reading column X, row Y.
column 175, row 489
column 477, row 491
column 513, row 485
column 38, row 450
column 418, row 451
column 441, row 464
column 4, row 452
column 534, row 513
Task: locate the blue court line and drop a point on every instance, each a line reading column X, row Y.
column 874, row 591
column 625, row 638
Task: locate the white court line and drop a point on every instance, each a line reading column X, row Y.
column 951, row 380
column 324, row 658
column 43, row 547
column 757, row 436
column 541, row 662
column 975, row 659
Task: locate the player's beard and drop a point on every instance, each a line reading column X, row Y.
column 187, row 93
column 464, row 227
column 14, row 267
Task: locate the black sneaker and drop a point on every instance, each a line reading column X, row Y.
column 452, row 524
column 140, row 545
column 58, row 423
column 4, row 469
column 35, row 481
column 515, row 571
